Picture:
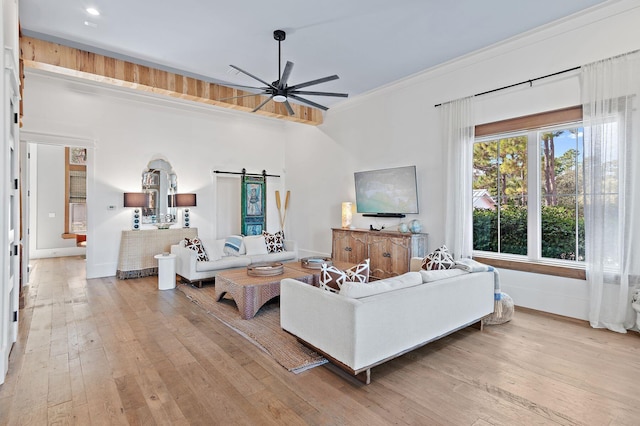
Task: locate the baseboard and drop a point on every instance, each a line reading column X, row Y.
column 101, row 270
column 57, row 252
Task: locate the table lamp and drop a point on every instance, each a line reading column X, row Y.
column 186, row 200
column 136, row 200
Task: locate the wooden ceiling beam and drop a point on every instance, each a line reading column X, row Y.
column 60, row 59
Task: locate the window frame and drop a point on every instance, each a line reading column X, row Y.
column 533, row 262
column 68, row 167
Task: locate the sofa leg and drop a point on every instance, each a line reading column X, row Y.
column 478, row 325
column 200, row 284
column 364, row 376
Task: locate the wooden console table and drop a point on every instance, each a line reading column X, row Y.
column 137, row 249
column 389, row 252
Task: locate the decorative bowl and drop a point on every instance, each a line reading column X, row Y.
column 265, row 269
column 163, row 225
column 315, row 262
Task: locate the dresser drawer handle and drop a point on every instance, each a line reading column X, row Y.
column 386, row 254
column 347, row 249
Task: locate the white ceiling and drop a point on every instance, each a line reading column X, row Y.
column 368, row 43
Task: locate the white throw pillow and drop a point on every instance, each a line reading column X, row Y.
column 220, row 246
column 214, row 250
column 255, row 244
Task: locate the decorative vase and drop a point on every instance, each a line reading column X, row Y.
column 415, row 226
column 403, row 227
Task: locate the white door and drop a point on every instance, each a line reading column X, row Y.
column 10, row 219
column 9, row 182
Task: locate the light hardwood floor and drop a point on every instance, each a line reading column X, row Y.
column 105, row 351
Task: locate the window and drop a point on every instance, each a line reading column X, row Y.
column 500, row 196
column 562, row 193
column 528, row 188
column 75, row 192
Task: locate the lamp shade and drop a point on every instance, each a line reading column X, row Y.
column 186, row 200
column 136, row 199
column 347, row 214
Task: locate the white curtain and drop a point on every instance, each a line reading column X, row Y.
column 610, row 90
column 458, row 126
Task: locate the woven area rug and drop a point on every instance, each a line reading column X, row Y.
column 263, row 330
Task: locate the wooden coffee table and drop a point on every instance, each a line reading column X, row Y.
column 250, row 292
column 297, row 266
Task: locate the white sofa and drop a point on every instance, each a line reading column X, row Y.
column 358, row 333
column 193, row 271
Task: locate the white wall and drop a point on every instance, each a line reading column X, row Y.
column 399, row 125
column 320, row 177
column 47, row 185
column 129, row 129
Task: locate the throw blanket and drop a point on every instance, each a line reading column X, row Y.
column 471, row 265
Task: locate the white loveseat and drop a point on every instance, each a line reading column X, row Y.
column 392, row 317
column 191, row 270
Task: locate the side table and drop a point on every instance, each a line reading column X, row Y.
column 166, row 271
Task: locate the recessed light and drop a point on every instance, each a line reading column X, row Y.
column 93, row 11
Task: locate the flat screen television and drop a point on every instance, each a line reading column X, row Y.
column 387, row 192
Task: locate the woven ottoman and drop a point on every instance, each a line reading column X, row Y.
column 507, row 312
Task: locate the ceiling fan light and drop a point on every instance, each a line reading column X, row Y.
column 279, row 98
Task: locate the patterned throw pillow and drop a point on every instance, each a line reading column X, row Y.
column 439, row 259
column 275, row 242
column 332, row 278
column 196, row 245
column 233, row 245
column 359, row 273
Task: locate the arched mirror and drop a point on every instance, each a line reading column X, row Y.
column 161, row 184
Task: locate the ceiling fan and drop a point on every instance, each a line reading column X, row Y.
column 279, row 91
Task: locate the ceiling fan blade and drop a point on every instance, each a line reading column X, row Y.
column 289, row 109
column 254, row 77
column 306, row 101
column 312, row 82
column 285, row 75
column 304, row 92
column 263, row 103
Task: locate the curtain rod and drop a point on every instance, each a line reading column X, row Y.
column 244, row 172
column 522, row 82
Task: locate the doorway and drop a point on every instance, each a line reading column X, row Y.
column 57, row 176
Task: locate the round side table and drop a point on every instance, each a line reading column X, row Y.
column 166, row 271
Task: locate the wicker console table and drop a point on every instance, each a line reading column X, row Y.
column 137, row 249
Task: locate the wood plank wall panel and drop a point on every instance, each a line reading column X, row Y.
column 60, row 59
